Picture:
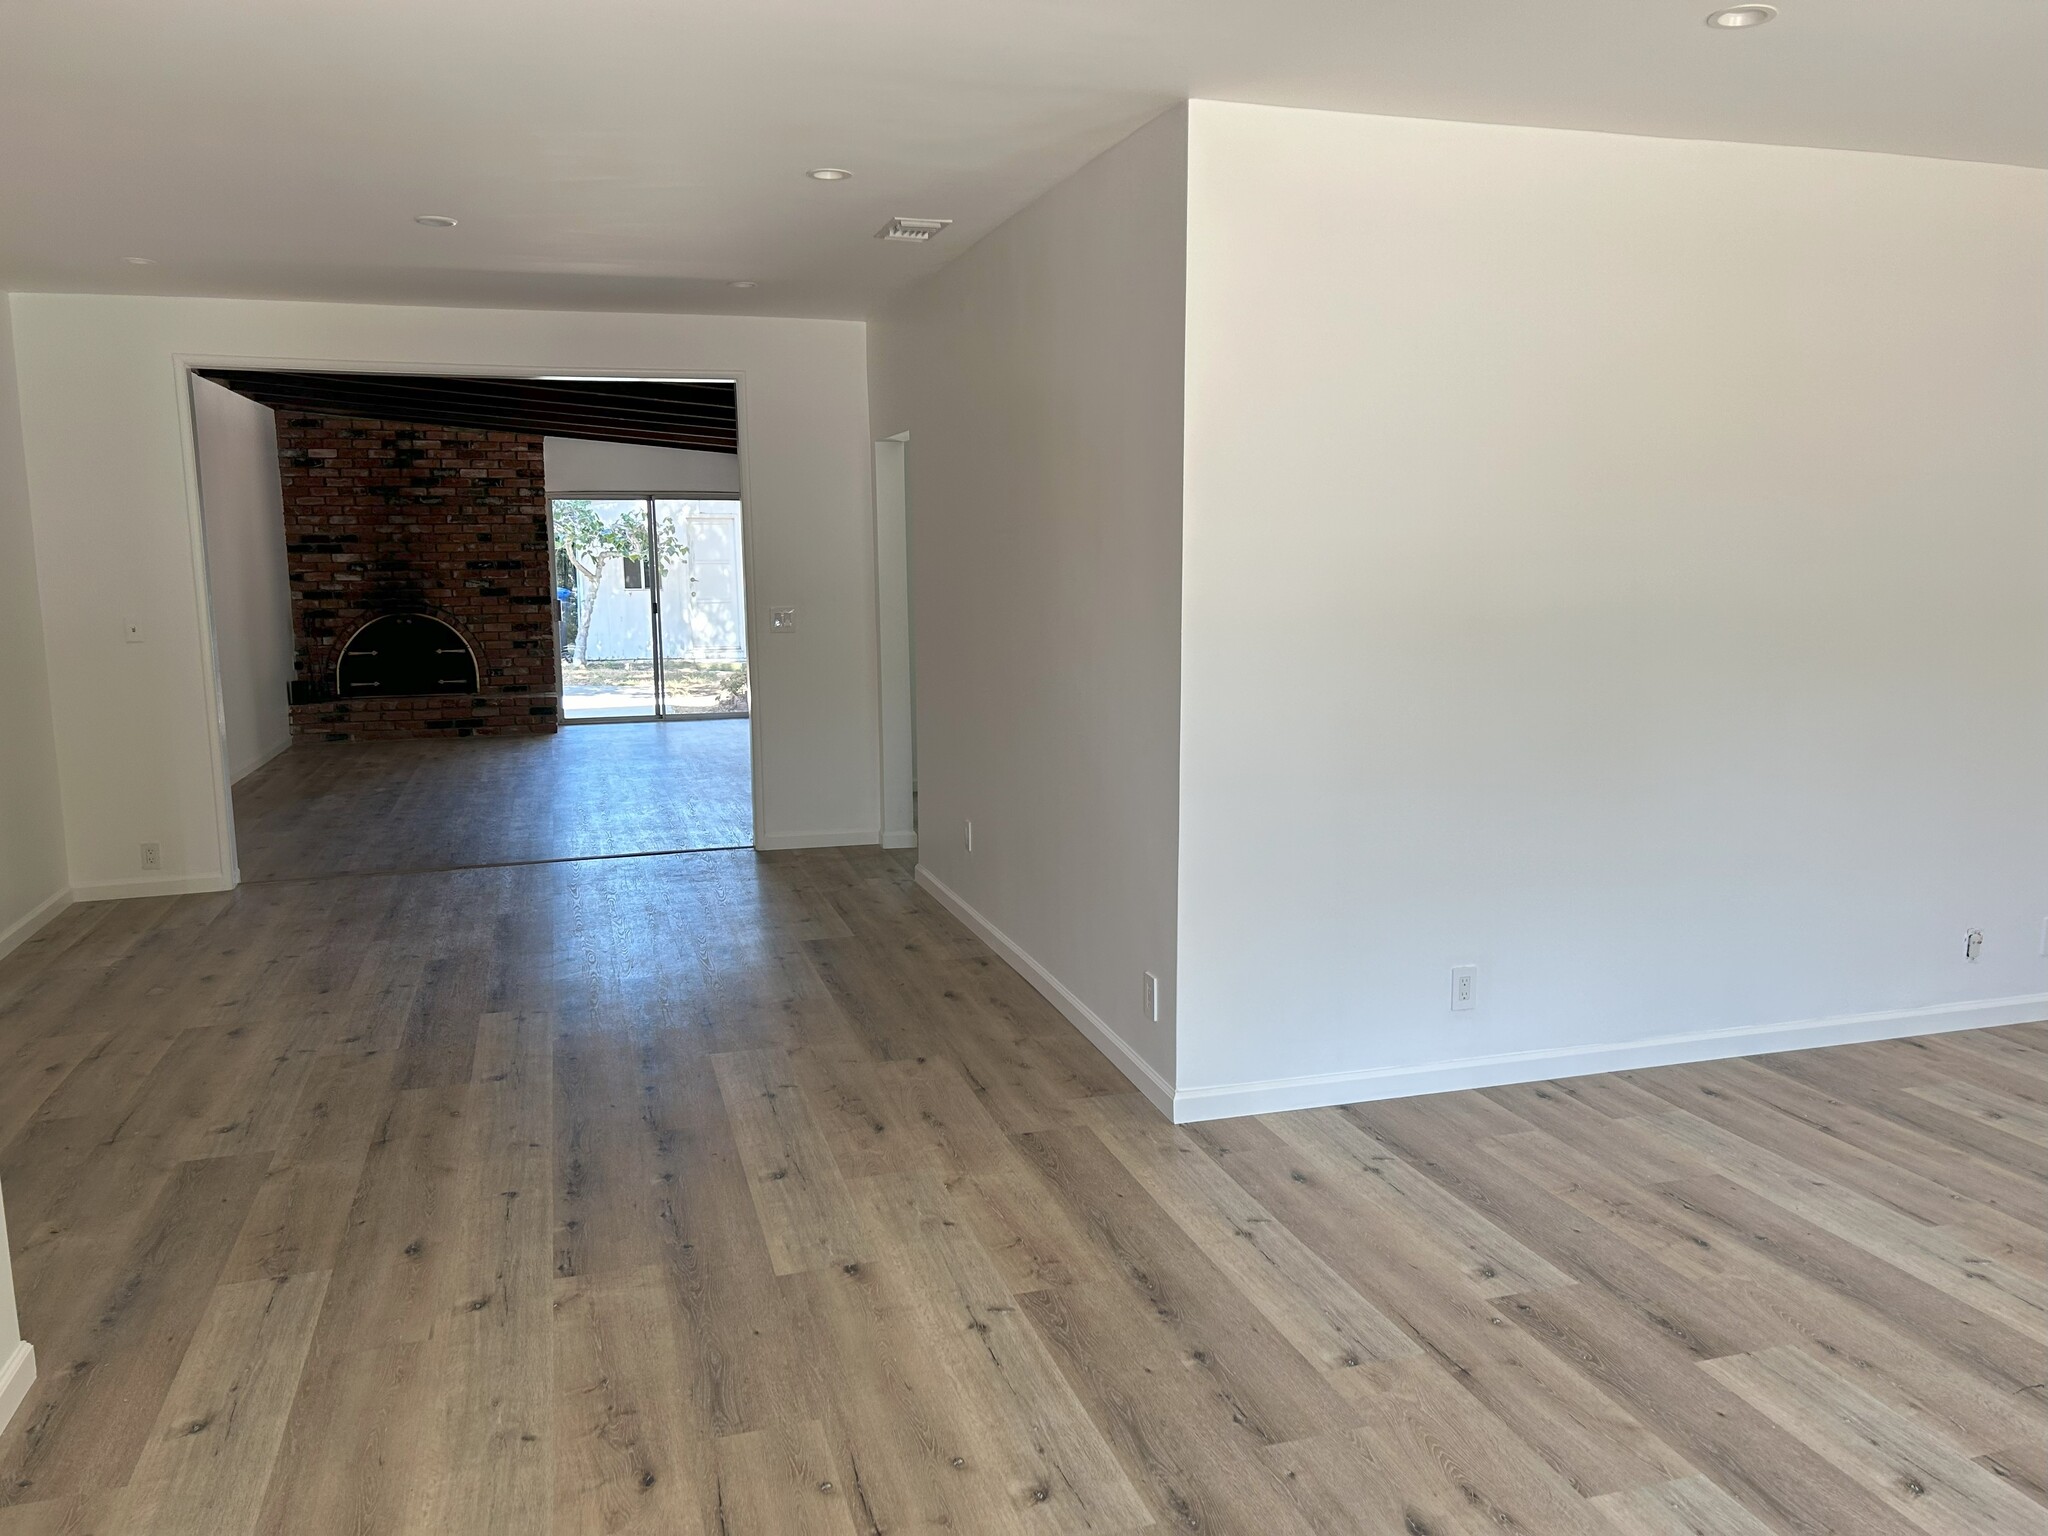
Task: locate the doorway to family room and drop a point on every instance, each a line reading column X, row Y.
column 415, row 579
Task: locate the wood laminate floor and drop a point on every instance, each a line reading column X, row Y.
column 725, row 1193
column 588, row 791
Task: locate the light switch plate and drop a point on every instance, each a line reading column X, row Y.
column 782, row 618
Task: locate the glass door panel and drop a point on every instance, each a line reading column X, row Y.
column 606, row 602
column 703, row 608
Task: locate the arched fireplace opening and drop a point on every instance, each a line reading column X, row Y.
column 404, row 654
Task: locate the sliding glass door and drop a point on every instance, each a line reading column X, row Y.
column 650, row 608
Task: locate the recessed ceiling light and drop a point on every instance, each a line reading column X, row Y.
column 434, row 220
column 829, row 173
column 1742, row 16
column 743, row 284
column 140, row 261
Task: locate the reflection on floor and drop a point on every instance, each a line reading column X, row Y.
column 737, row 1195
column 593, row 791
column 600, row 690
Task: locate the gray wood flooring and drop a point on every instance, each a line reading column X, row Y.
column 723, row 1193
column 588, row 791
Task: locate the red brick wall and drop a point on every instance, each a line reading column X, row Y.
column 392, row 517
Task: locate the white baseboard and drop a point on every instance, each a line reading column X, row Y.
column 775, row 842
column 17, row 1375
column 1079, row 1014
column 155, row 885
column 1281, row 1093
column 899, row 839
column 32, row 922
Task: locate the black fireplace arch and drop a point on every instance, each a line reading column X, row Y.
column 400, row 654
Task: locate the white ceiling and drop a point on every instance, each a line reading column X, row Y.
column 640, row 154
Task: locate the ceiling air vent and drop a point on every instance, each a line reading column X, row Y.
column 916, row 231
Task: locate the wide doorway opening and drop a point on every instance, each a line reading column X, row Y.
column 650, row 604
column 417, row 580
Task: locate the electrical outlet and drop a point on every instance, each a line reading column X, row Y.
column 782, row 619
column 970, row 837
column 1152, row 997
column 1973, row 944
column 152, row 856
column 1464, row 988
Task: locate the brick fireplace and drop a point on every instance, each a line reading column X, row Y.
column 386, row 517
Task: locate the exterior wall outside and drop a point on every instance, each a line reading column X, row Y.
column 621, row 618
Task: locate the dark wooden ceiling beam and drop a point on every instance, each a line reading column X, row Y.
column 700, row 416
column 623, row 408
column 489, row 414
column 547, row 392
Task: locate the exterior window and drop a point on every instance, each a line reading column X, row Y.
column 635, row 577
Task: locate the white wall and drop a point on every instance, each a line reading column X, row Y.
column 33, row 881
column 241, row 496
column 577, row 467
column 17, row 1358
column 1039, row 378
column 1649, row 545
column 894, row 629
column 111, row 484
column 34, row 885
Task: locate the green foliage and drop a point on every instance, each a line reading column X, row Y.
column 593, row 540
column 590, row 540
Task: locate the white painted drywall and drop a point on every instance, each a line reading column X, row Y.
column 34, row 885
column 17, row 1358
column 899, row 674
column 111, row 484
column 577, row 467
column 242, row 499
column 1039, row 379
column 1647, row 543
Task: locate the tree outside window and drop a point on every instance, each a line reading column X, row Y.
column 588, row 541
